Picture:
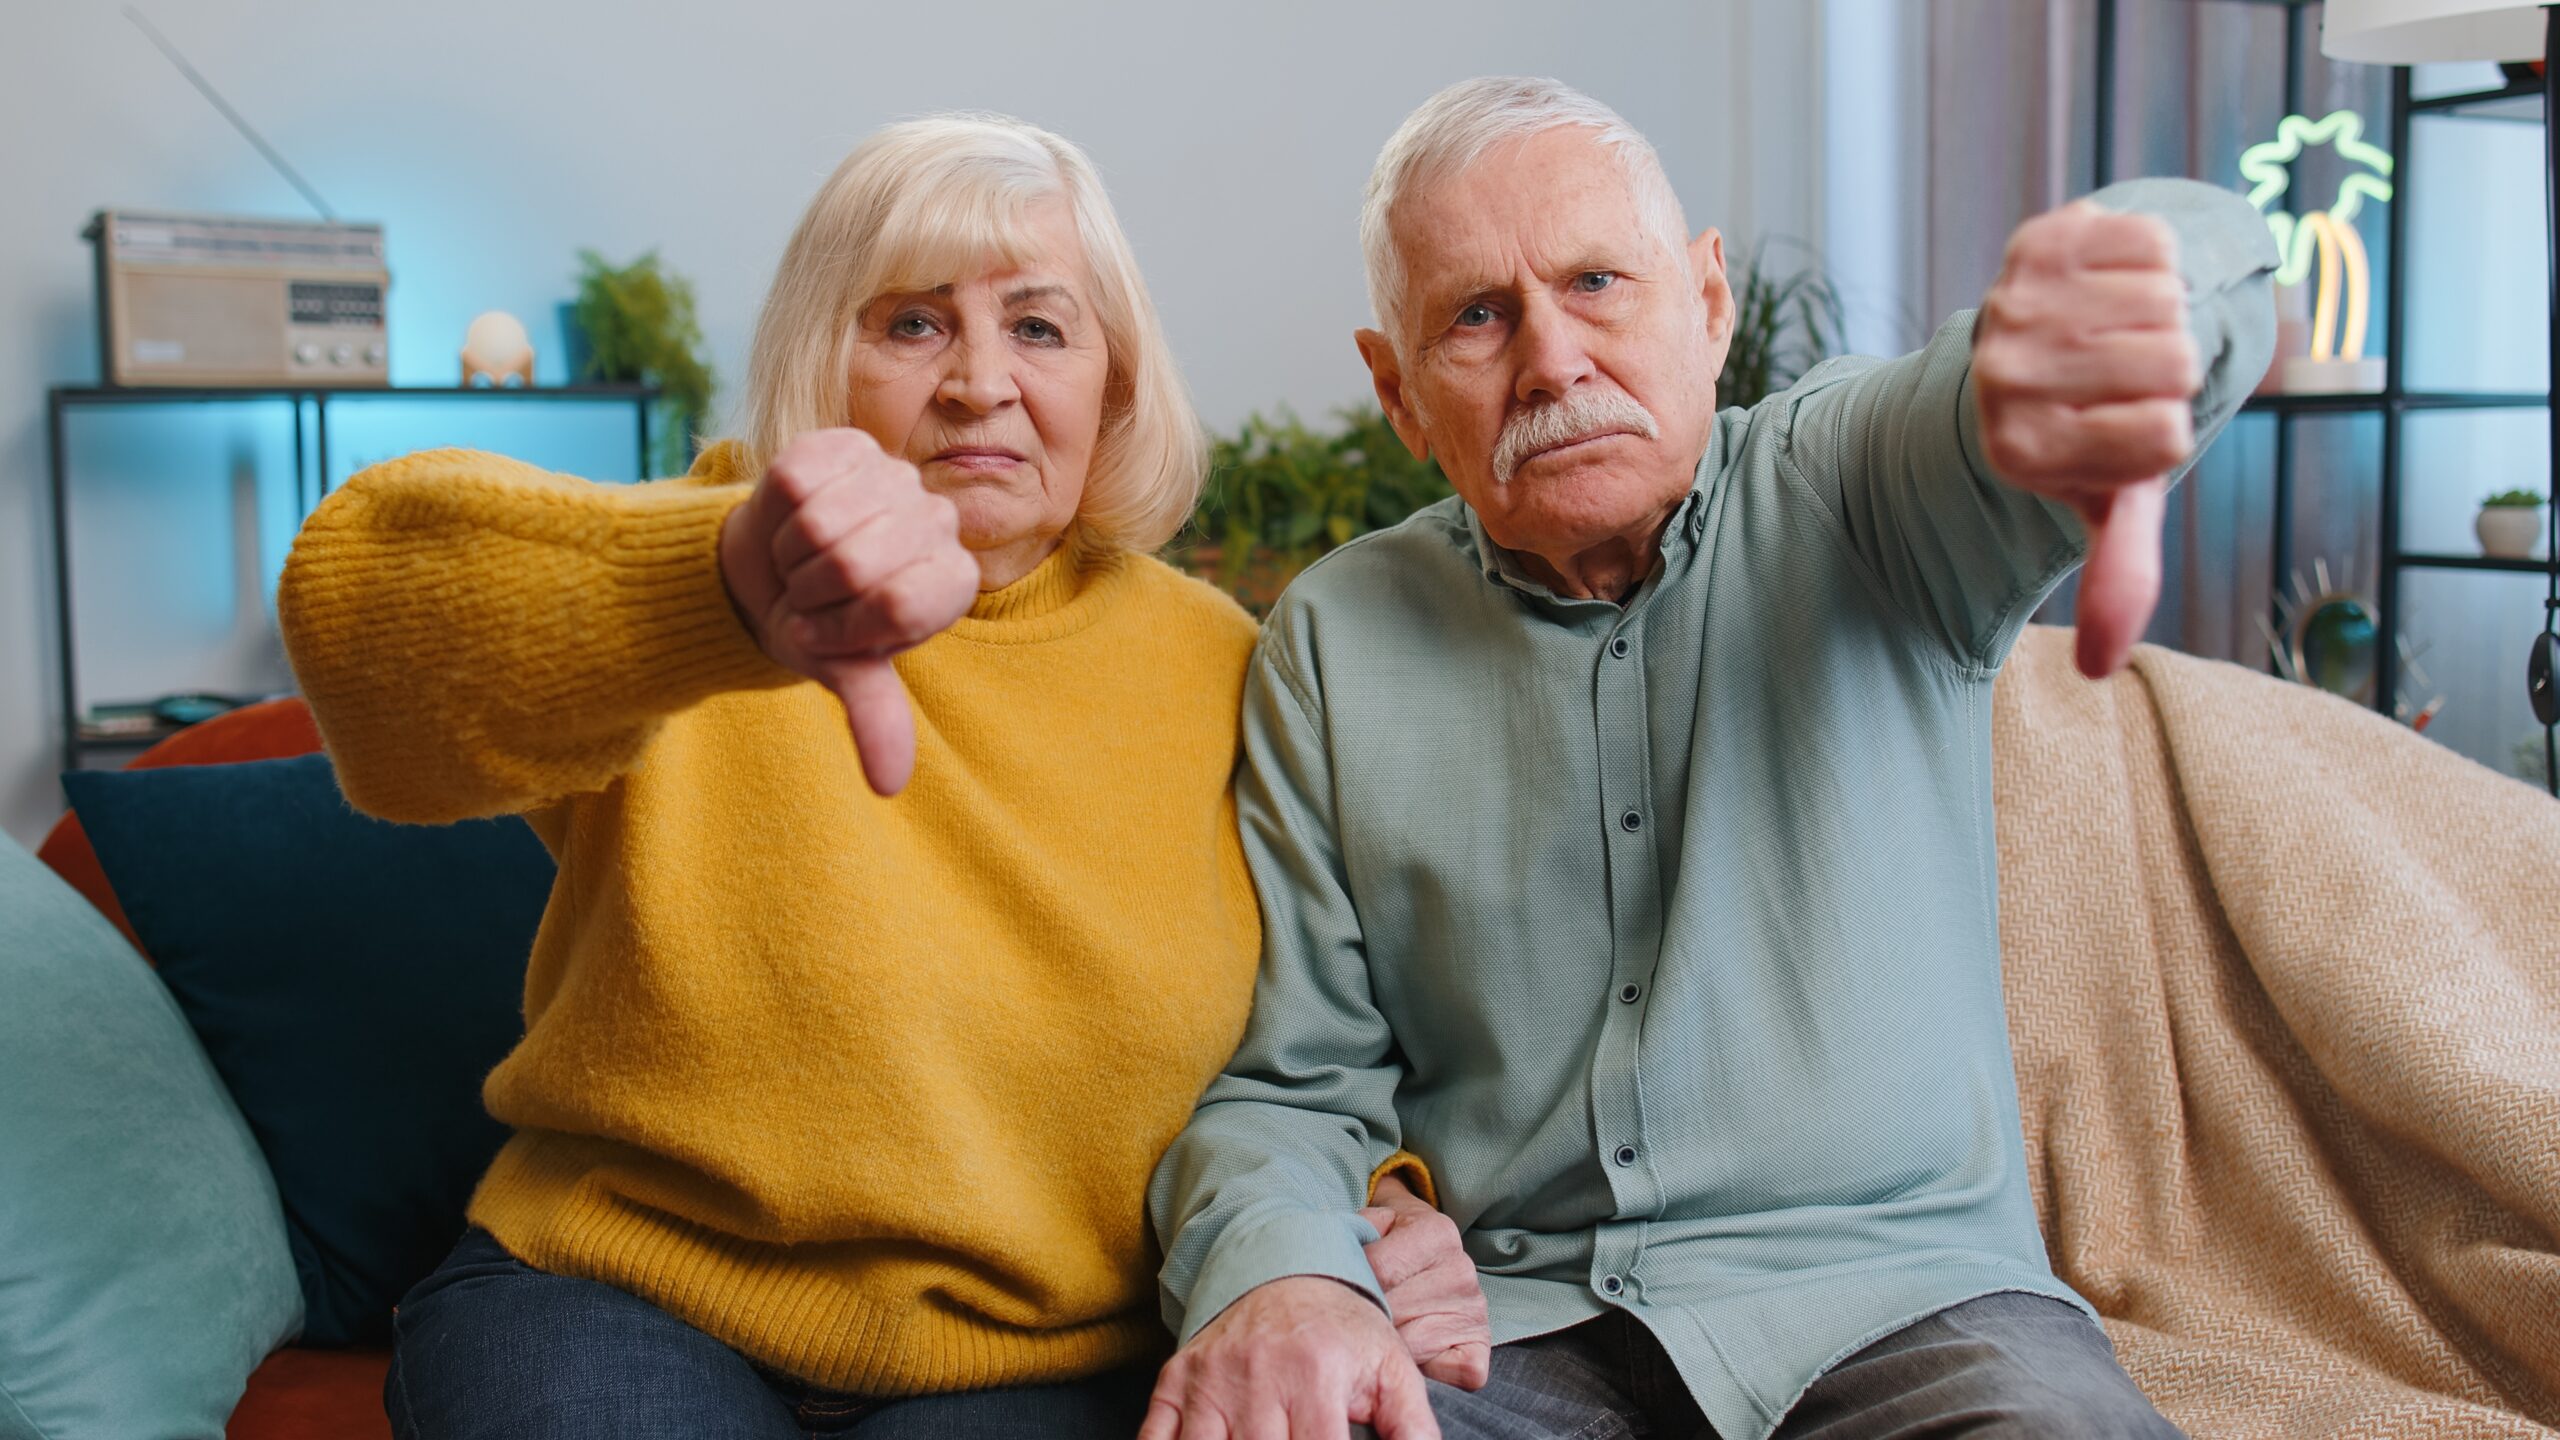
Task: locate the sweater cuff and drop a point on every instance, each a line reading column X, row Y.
column 1408, row 1167
column 1285, row 1244
column 678, row 630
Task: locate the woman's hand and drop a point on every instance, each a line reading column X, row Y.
column 840, row 559
column 1431, row 1286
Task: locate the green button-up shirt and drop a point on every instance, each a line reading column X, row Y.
column 1665, row 932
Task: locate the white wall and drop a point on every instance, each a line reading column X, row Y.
column 493, row 139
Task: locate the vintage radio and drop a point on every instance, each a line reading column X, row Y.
column 234, row 300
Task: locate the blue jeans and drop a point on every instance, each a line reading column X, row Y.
column 489, row 1348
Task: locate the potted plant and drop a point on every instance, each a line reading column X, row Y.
column 1281, row 493
column 1782, row 327
column 2510, row 521
column 638, row 327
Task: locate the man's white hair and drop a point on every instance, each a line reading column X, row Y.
column 1454, row 129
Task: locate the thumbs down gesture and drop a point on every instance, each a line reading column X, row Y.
column 2085, row 375
column 838, row 560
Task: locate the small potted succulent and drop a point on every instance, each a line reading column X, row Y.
column 2510, row 522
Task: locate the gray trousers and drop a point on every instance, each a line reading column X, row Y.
column 2011, row 1364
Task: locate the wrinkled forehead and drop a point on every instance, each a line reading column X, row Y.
column 1535, row 206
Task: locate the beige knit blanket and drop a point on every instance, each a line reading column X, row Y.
column 2284, row 983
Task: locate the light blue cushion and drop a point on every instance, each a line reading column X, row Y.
column 143, row 1265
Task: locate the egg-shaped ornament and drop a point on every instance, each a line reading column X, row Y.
column 497, row 350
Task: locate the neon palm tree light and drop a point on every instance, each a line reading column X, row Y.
column 2322, row 246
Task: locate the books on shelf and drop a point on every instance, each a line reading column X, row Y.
column 144, row 721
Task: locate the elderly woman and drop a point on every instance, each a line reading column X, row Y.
column 834, row 1110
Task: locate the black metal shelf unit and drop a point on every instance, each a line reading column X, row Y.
column 2527, row 102
column 310, row 406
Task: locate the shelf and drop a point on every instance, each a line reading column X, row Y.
column 2508, row 102
column 142, row 741
column 2413, row 561
column 2476, row 400
column 2377, row 402
column 76, row 395
column 310, row 421
column 2314, row 404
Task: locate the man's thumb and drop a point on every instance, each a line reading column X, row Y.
column 884, row 728
column 2120, row 585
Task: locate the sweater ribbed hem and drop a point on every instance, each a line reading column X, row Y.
column 815, row 1311
column 688, row 636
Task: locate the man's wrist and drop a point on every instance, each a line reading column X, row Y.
column 1282, row 1245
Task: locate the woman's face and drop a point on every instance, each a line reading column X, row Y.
column 992, row 386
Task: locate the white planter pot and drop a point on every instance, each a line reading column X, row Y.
column 2509, row 532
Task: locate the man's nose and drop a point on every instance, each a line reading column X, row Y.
column 979, row 377
column 1553, row 358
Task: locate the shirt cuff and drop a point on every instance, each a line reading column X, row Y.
column 1295, row 1242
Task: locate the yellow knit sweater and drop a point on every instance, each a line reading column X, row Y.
column 867, row 1089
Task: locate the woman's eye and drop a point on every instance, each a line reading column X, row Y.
column 1591, row 282
column 1039, row 332
column 1475, row 315
column 914, row 325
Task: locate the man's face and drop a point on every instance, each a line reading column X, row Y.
column 1556, row 355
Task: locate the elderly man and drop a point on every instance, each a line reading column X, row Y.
column 1623, row 825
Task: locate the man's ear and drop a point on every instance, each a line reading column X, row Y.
column 1706, row 267
column 1387, row 374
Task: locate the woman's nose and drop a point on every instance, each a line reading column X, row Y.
column 980, row 376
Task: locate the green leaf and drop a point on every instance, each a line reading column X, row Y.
column 641, row 329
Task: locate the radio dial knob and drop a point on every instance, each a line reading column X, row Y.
column 373, row 355
column 342, row 355
column 307, row 353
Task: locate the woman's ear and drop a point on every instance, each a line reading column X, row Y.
column 1386, row 373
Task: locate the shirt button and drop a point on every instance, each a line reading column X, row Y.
column 1626, row 1155
column 1611, row 1285
column 1618, row 647
column 1629, row 992
column 1631, row 822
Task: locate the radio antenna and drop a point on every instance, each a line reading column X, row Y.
column 278, row 161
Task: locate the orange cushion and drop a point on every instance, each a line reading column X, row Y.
column 268, row 730
column 315, row 1395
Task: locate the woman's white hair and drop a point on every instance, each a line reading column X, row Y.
column 923, row 203
column 1453, row 129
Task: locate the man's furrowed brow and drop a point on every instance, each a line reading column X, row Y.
column 1450, row 294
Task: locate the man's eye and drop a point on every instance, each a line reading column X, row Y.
column 1591, row 282
column 1475, row 315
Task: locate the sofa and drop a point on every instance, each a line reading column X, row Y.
column 2284, row 990
column 298, row 1392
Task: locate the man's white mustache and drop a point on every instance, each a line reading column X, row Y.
column 1581, row 415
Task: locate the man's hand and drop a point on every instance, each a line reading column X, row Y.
column 2084, row 371
column 1304, row 1358
column 838, row 560
column 1431, row 1286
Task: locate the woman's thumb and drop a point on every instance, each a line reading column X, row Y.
column 884, row 726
